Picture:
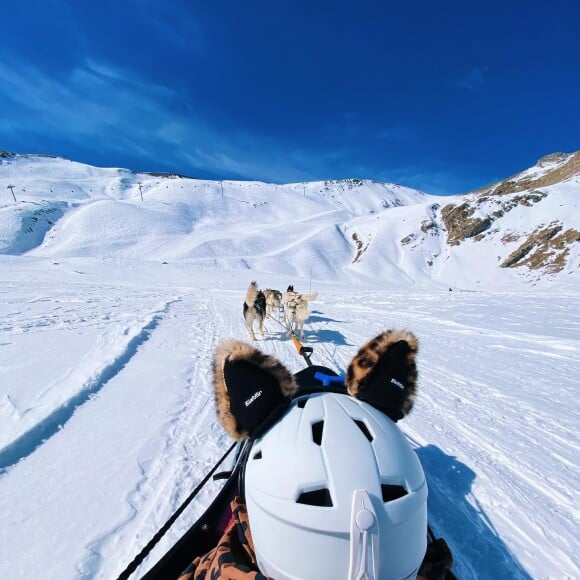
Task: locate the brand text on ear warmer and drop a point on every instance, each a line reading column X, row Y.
column 397, row 383
column 253, row 398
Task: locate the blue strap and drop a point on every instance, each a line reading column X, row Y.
column 327, row 379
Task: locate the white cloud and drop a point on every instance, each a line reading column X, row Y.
column 98, row 106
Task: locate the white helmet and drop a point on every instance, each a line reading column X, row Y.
column 334, row 490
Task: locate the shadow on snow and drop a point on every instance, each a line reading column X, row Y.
column 477, row 548
column 314, row 318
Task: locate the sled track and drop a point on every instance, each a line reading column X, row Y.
column 27, row 443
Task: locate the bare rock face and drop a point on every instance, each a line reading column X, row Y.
column 546, row 248
column 460, row 222
column 552, row 158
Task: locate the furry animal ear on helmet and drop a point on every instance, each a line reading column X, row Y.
column 252, row 389
column 384, row 373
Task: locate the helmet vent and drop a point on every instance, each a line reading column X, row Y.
column 302, row 403
column 318, row 497
column 392, row 492
column 317, row 429
column 365, row 430
column 258, row 455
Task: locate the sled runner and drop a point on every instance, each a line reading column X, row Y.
column 253, row 392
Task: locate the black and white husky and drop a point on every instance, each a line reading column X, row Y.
column 255, row 309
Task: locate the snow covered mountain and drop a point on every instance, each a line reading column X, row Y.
column 523, row 229
column 117, row 287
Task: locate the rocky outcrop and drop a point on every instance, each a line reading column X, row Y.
column 546, row 248
column 360, row 248
column 460, row 222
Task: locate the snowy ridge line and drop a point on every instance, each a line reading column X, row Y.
column 48, row 426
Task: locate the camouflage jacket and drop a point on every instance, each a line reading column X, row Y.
column 234, row 558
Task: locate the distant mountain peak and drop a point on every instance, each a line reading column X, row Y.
column 549, row 170
column 553, row 158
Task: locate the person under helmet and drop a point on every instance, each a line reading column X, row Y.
column 331, row 487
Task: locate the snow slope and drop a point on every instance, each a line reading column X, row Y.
column 366, row 232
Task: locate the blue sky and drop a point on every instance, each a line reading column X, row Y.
column 443, row 96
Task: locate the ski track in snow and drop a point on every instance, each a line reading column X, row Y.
column 124, row 343
column 481, row 420
column 92, row 563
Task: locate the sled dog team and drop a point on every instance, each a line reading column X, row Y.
column 261, row 304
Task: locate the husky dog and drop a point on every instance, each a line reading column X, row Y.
column 273, row 302
column 296, row 310
column 254, row 309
